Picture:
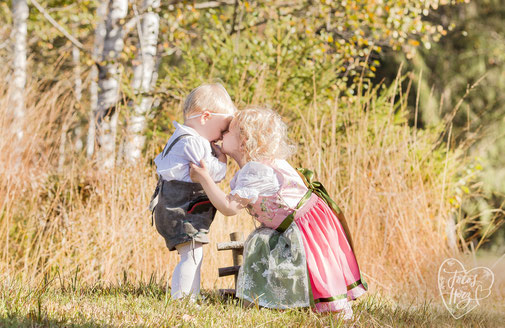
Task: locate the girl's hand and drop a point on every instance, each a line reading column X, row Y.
column 198, row 173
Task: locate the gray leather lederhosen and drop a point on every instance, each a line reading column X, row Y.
column 182, row 211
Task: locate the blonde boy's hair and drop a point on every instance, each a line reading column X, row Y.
column 263, row 134
column 211, row 97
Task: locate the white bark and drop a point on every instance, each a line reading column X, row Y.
column 78, row 139
column 19, row 32
column 143, row 79
column 109, row 80
column 92, row 118
column 76, row 58
column 97, row 50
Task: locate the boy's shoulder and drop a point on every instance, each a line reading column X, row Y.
column 184, row 134
column 190, row 140
column 183, row 143
column 188, row 132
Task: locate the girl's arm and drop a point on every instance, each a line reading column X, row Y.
column 217, row 197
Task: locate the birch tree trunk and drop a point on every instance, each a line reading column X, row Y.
column 144, row 78
column 76, row 59
column 97, row 50
column 108, row 82
column 19, row 32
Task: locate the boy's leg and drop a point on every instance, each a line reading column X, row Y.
column 195, row 287
column 186, row 276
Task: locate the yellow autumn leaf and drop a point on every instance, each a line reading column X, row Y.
column 414, row 43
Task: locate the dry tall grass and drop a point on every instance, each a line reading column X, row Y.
column 95, row 224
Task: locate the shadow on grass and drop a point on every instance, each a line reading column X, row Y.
column 31, row 321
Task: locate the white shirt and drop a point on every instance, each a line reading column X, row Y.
column 189, row 149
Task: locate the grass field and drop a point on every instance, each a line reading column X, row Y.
column 69, row 304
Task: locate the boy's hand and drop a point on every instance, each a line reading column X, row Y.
column 219, row 153
column 198, row 173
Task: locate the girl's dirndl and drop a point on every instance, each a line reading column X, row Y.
column 306, row 261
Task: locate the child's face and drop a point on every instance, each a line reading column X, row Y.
column 231, row 139
column 212, row 127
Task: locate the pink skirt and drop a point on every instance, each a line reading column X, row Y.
column 334, row 274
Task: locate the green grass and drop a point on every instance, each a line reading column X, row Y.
column 60, row 304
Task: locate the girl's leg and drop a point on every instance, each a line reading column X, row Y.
column 186, row 276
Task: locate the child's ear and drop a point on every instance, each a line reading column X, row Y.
column 206, row 115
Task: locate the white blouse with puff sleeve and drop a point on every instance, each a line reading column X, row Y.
column 254, row 179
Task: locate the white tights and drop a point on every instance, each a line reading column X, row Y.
column 186, row 276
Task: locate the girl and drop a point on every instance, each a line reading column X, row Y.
column 300, row 256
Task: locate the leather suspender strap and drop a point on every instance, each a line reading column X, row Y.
column 167, row 149
column 155, row 196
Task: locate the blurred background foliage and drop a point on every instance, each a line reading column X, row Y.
column 293, row 54
column 463, row 77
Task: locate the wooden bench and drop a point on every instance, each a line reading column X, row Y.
column 236, row 245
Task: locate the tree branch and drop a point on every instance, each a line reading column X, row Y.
column 213, row 4
column 129, row 25
column 58, row 26
column 261, row 22
column 140, row 33
column 206, row 5
column 234, row 17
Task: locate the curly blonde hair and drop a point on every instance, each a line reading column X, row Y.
column 263, row 134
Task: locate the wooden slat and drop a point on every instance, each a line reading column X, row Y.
column 227, row 292
column 230, row 245
column 228, row 271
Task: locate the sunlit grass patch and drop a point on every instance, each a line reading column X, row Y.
column 128, row 305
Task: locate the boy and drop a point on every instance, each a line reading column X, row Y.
column 183, row 213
